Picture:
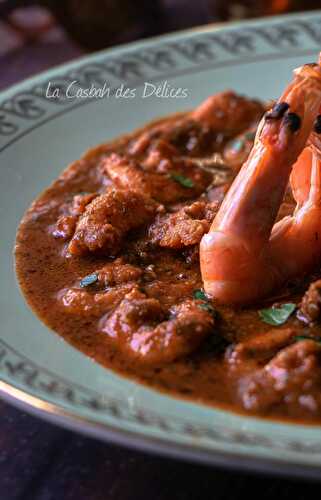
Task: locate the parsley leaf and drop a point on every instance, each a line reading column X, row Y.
column 238, row 145
column 207, row 307
column 88, row 280
column 277, row 315
column 182, row 180
column 298, row 338
column 199, row 294
column 250, row 136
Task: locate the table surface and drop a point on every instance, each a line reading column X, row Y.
column 39, row 461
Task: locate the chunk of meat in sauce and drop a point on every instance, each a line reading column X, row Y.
column 160, row 157
column 81, row 302
column 66, row 223
column 142, row 331
column 126, row 173
column 228, row 113
column 108, row 218
column 117, row 273
column 310, row 308
column 185, row 227
column 259, row 348
column 175, row 288
column 191, row 137
column 292, row 378
column 114, row 281
column 182, row 136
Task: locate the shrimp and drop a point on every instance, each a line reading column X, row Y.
column 246, row 255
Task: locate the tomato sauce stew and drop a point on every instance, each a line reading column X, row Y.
column 108, row 257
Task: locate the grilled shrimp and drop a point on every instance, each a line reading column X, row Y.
column 246, row 255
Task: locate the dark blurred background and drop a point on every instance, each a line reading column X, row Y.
column 35, row 35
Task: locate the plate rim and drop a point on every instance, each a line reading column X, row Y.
column 67, row 419
column 181, row 33
column 80, row 61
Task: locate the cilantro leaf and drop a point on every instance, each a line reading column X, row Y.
column 238, row 145
column 207, row 307
column 277, row 315
column 298, row 338
column 250, row 136
column 88, row 280
column 199, row 294
column 182, row 180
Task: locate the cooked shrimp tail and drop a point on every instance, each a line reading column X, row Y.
column 239, row 261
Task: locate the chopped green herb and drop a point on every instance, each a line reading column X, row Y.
column 298, row 338
column 88, row 280
column 207, row 307
column 181, row 179
column 277, row 315
column 238, row 145
column 199, row 294
column 250, row 136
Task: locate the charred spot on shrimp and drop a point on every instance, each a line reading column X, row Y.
column 310, row 65
column 277, row 111
column 292, row 121
column 317, row 125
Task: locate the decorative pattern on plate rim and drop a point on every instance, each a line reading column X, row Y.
column 30, row 108
column 37, row 378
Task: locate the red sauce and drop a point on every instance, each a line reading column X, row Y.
column 107, row 257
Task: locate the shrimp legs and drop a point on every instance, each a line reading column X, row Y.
column 246, row 255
